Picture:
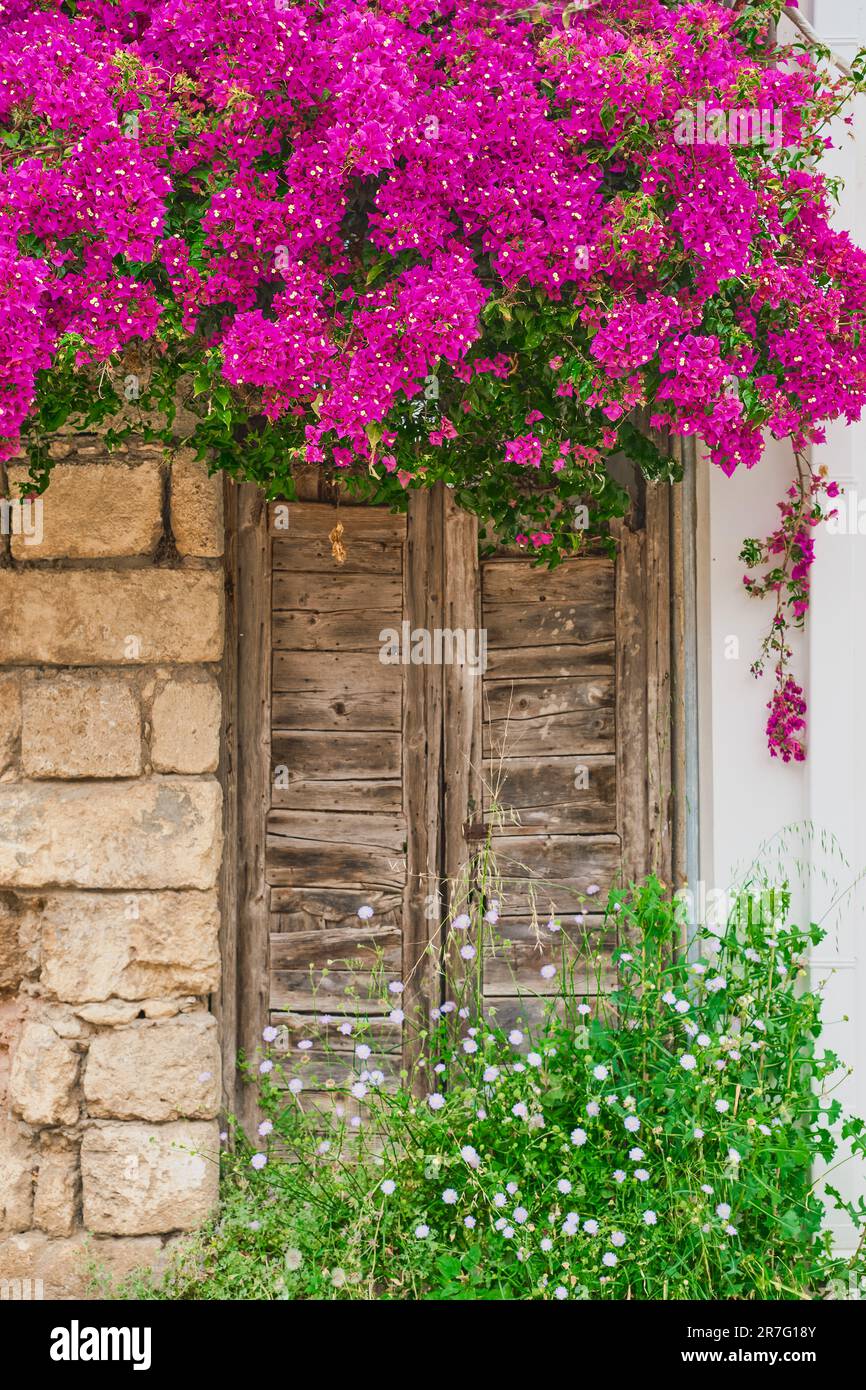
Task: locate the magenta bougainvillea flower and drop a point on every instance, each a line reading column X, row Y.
column 416, row 240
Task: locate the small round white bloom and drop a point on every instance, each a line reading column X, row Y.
column 470, row 1046
column 578, row 1137
column 296, row 1085
column 546, row 1244
column 547, row 972
column 619, row 1175
column 436, row 1101
column 515, row 1037
column 698, row 1133
column 591, row 1227
column 636, row 1155
column 520, row 1110
column 534, row 1059
column 365, row 912
column 359, row 1090
column 470, row 1155
column 617, row 1238
column 396, row 1016
column 461, row 923
column 520, row 1215
column 422, row 1231
column 469, row 1222
column 722, row 1106
column 600, row 1073
column 650, row 1218
column 641, row 1174
column 632, row 1123
column 388, row 1186
column 592, row 1109
column 467, row 951
column 563, row 1186
column 396, row 987
column 723, row 1211
column 449, row 1196
column 499, row 1199
column 688, row 1062
column 609, row 1259
column 682, row 1006
column 560, row 1292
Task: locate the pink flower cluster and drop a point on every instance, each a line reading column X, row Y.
column 329, row 194
column 786, row 723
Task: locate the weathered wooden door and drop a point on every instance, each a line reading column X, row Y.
column 383, row 705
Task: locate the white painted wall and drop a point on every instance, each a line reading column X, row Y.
column 749, row 800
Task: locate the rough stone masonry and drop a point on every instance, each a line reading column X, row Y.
column 111, row 639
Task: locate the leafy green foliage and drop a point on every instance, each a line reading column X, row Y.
column 654, row 1143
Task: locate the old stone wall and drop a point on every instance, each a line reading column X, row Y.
column 111, row 639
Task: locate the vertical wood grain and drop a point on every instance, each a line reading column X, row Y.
column 463, row 714
column 422, row 772
column 252, row 777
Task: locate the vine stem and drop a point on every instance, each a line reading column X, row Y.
column 809, row 33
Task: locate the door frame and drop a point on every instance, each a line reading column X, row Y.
column 655, row 819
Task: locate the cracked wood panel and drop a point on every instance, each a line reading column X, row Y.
column 336, row 828
column 549, row 759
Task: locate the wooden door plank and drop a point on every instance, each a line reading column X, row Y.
column 559, row 659
column 463, row 718
column 311, row 556
column 226, row 1003
column 315, row 520
column 590, row 731
column 338, row 592
column 305, row 909
column 555, row 624
column 575, row 793
column 422, row 769
column 252, row 777
column 587, row 581
column 542, row 695
column 299, row 861
column 361, row 711
column 348, row 794
column 335, row 674
column 337, row 757
column 554, row 871
column 335, row 632
column 338, row 947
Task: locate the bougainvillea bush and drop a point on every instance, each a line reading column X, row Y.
column 654, row 1143
column 420, row 240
